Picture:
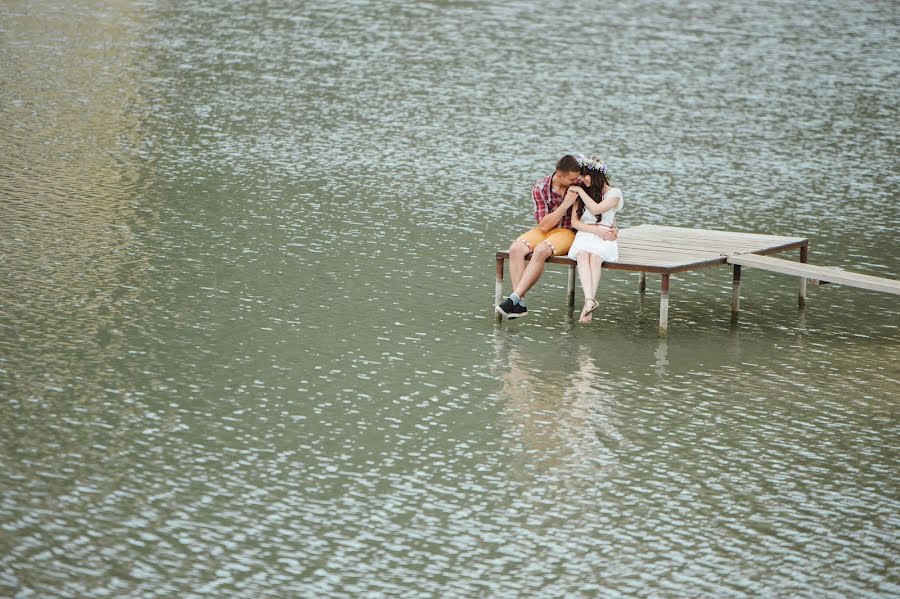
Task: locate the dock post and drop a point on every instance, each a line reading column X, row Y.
column 736, row 292
column 570, row 286
column 664, row 306
column 498, row 287
column 804, row 258
column 643, row 285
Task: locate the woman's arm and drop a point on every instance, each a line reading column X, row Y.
column 576, row 222
column 580, row 226
column 598, row 208
column 589, row 202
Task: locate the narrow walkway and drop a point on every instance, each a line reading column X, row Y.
column 823, row 274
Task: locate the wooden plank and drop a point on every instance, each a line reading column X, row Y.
column 700, row 242
column 657, row 264
column 718, row 241
column 675, row 250
column 723, row 245
column 670, row 251
column 670, row 263
column 667, row 261
column 698, row 245
column 659, row 251
column 783, row 248
column 822, row 273
column 664, row 230
column 697, row 265
column 660, row 233
column 683, row 253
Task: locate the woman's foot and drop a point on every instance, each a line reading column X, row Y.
column 590, row 304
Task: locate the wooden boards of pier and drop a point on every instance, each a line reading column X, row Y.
column 668, row 250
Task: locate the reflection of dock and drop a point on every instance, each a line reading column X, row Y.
column 669, row 250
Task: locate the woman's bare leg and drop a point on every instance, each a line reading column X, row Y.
column 583, row 259
column 595, row 263
column 596, row 268
column 584, row 273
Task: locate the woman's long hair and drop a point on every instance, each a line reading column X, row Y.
column 595, row 189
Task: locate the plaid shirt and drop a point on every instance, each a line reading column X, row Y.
column 546, row 201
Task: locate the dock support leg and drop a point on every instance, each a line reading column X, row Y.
column 498, row 287
column 736, row 292
column 804, row 258
column 664, row 306
column 570, row 286
column 643, row 286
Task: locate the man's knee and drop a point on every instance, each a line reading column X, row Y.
column 519, row 249
column 542, row 251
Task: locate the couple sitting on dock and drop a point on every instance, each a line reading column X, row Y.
column 576, row 197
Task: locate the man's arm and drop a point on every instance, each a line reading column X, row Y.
column 551, row 220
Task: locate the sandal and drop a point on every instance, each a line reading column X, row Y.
column 586, row 311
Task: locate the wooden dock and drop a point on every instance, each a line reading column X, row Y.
column 670, row 250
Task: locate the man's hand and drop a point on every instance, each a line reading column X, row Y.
column 571, row 196
column 607, row 233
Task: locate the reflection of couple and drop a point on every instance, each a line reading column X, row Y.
column 576, row 196
column 567, row 419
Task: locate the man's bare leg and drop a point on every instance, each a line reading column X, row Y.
column 517, row 253
column 534, row 270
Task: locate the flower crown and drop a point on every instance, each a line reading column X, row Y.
column 591, row 162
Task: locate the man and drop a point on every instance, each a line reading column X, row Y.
column 552, row 237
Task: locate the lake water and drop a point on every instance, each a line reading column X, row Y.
column 247, row 344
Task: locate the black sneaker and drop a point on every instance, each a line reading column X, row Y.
column 518, row 311
column 505, row 307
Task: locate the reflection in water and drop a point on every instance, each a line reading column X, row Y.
column 70, row 235
column 662, row 356
column 566, row 421
column 591, row 421
column 74, row 220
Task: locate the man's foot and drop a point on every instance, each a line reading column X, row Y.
column 505, row 307
column 518, row 311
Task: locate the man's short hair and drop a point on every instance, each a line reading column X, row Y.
column 568, row 164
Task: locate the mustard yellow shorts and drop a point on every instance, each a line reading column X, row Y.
column 559, row 239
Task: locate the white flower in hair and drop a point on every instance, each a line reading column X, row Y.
column 593, row 163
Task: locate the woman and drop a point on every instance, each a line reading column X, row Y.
column 595, row 212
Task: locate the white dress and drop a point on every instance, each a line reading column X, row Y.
column 589, row 242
